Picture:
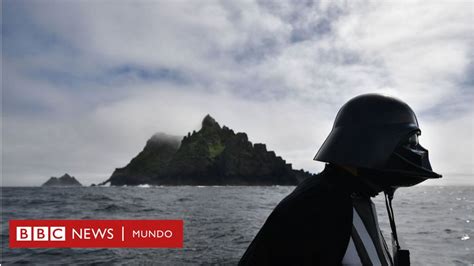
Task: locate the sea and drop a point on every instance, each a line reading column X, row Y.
column 436, row 223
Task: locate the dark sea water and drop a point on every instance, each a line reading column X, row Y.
column 436, row 223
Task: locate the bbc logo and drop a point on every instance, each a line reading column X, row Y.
column 41, row 233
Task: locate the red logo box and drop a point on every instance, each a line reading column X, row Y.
column 96, row 233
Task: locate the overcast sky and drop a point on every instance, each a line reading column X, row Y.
column 86, row 83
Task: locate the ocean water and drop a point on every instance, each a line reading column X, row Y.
column 436, row 223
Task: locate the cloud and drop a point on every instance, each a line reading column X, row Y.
column 85, row 84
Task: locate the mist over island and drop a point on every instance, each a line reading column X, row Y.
column 214, row 155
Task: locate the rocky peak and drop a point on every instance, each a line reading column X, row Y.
column 66, row 176
column 64, row 180
column 209, row 122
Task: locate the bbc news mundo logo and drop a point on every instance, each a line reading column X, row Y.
column 96, row 233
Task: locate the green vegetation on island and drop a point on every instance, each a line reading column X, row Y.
column 214, row 155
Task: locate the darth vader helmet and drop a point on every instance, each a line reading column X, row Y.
column 378, row 135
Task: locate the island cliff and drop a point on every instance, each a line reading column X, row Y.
column 214, row 155
column 64, row 181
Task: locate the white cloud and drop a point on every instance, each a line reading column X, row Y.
column 276, row 70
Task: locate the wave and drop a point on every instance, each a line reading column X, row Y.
column 112, row 208
column 94, row 197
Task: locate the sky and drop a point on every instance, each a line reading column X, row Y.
column 86, row 83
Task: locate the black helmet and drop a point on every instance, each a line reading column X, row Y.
column 378, row 135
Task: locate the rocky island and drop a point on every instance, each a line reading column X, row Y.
column 64, row 181
column 214, row 155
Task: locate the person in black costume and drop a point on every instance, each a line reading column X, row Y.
column 329, row 219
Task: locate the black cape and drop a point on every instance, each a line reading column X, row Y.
column 311, row 226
